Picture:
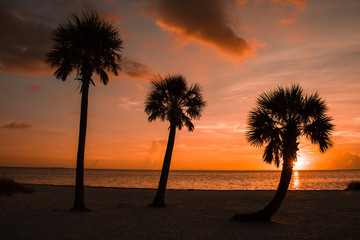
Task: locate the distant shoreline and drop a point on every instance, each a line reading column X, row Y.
column 181, row 170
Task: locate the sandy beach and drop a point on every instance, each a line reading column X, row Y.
column 123, row 214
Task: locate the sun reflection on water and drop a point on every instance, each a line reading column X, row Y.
column 296, row 180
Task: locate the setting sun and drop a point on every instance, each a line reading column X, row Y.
column 302, row 163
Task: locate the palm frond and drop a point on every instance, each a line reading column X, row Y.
column 261, row 127
column 314, row 107
column 319, row 132
column 282, row 116
column 171, row 99
column 85, row 43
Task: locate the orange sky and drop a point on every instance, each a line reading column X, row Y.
column 234, row 49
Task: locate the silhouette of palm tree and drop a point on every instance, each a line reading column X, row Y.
column 173, row 100
column 280, row 118
column 86, row 44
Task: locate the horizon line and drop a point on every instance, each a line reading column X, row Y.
column 224, row 170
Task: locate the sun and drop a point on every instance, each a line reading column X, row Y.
column 301, row 163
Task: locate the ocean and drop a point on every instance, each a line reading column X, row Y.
column 181, row 179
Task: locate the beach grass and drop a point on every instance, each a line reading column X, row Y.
column 8, row 186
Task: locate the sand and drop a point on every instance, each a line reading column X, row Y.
column 123, row 214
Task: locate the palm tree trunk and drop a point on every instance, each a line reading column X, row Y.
column 79, row 184
column 266, row 213
column 159, row 200
column 274, row 205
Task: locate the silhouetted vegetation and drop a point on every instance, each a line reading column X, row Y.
column 277, row 122
column 173, row 100
column 9, row 186
column 85, row 44
column 353, row 186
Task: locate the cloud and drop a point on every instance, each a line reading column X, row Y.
column 346, row 137
column 136, row 69
column 295, row 2
column 296, row 7
column 16, row 125
column 222, row 129
column 204, row 21
column 128, row 104
column 155, row 153
column 346, row 160
column 26, row 26
column 34, row 88
column 6, row 90
column 140, row 87
column 23, row 43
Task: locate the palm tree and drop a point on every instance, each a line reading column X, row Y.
column 85, row 44
column 278, row 121
column 173, row 100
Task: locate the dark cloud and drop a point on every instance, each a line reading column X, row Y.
column 25, row 30
column 16, row 125
column 23, row 43
column 202, row 20
column 136, row 69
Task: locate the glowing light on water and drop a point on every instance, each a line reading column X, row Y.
column 295, row 180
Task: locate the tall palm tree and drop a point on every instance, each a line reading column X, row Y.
column 277, row 122
column 85, row 44
column 173, row 100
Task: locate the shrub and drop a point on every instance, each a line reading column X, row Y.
column 9, row 186
column 353, row 186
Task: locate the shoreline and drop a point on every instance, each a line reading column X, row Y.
column 120, row 213
column 173, row 189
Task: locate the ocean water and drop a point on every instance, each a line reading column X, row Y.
column 198, row 180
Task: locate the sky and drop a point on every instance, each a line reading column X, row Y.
column 234, row 49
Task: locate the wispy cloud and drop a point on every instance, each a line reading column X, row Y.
column 6, row 90
column 222, row 129
column 224, row 126
column 16, row 125
column 353, row 136
column 34, row 88
column 129, row 104
column 296, row 7
column 136, row 69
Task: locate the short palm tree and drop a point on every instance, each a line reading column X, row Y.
column 173, row 100
column 85, row 44
column 278, row 121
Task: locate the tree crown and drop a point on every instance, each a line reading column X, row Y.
column 173, row 100
column 282, row 116
column 86, row 44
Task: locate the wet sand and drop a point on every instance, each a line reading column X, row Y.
column 123, row 214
